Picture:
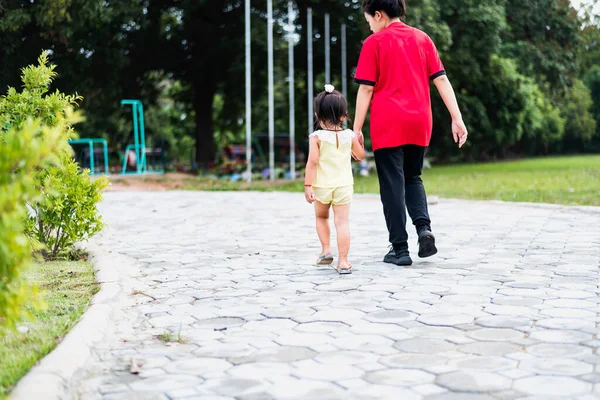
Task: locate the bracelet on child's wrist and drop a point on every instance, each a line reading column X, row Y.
column 307, row 185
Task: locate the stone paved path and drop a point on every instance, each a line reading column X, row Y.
column 509, row 309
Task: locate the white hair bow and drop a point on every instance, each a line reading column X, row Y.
column 329, row 88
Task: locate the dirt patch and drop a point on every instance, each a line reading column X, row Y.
column 156, row 183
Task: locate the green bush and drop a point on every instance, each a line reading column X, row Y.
column 35, row 102
column 22, row 151
column 67, row 212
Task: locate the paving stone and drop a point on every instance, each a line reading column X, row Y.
column 220, row 323
column 382, row 329
column 495, row 335
column 516, row 301
column 565, row 323
column 460, row 396
column 362, row 342
column 347, row 357
column 381, row 392
column 552, row 386
column 165, row 383
column 270, row 325
column 330, row 372
column 570, row 303
column 390, row 317
column 170, row 321
column 445, row 319
column 503, row 322
column 556, row 366
column 399, row 377
column 277, row 327
column 568, row 313
column 233, row 387
column 260, row 371
column 411, row 360
column 108, row 389
column 515, row 373
column 303, row 339
column 427, row 346
column 182, row 393
column 489, row 348
column 135, row 396
column 472, row 381
column 554, row 336
column 321, row 327
column 429, row 389
column 336, row 315
column 557, row 350
column 591, row 378
column 290, row 388
column 283, row 354
column 224, row 350
column 491, row 364
column 198, row 366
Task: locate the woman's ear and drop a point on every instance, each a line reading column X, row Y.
column 378, row 16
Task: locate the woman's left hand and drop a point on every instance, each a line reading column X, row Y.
column 309, row 195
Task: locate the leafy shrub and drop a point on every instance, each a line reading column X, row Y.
column 22, row 151
column 67, row 212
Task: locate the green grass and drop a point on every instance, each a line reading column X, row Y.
column 67, row 288
column 558, row 180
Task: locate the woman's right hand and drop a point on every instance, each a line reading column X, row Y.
column 361, row 138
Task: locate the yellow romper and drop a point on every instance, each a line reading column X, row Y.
column 334, row 183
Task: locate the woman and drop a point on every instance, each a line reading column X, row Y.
column 395, row 66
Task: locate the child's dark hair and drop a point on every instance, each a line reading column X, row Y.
column 330, row 108
column 393, row 8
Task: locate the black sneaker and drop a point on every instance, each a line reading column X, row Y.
column 426, row 244
column 399, row 257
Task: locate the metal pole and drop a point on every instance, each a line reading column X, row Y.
column 271, row 91
column 292, row 96
column 327, row 49
column 143, row 165
column 311, row 83
column 248, row 94
column 344, row 67
column 136, row 138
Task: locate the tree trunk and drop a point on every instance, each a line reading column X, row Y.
column 204, row 95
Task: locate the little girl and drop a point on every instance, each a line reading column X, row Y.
column 329, row 181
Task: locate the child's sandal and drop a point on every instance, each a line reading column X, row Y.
column 344, row 271
column 325, row 259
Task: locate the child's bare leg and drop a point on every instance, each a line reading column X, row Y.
column 322, row 214
column 342, row 227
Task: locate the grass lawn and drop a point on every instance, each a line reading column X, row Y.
column 559, row 180
column 67, row 288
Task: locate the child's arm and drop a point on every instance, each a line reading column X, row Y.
column 459, row 130
column 311, row 168
column 358, row 151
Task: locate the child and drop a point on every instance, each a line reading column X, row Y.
column 329, row 181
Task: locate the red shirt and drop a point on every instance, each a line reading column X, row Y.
column 399, row 61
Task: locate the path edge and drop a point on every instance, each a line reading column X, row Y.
column 51, row 378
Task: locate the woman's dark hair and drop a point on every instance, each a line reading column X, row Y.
column 330, row 108
column 393, row 8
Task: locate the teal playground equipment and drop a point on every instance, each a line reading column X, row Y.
column 138, row 147
column 139, row 139
column 92, row 153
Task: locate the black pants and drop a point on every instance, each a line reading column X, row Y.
column 399, row 170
